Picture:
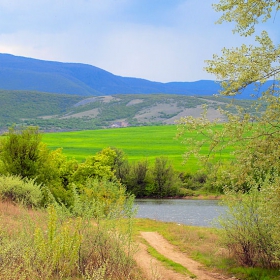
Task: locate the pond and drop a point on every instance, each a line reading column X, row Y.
column 181, row 211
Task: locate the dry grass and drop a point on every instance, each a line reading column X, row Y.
column 13, row 217
column 40, row 245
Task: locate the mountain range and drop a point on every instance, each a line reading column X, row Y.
column 72, row 96
column 22, row 73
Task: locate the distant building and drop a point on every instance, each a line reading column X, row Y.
column 119, row 124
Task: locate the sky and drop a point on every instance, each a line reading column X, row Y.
column 158, row 40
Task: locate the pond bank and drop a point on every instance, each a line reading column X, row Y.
column 205, row 197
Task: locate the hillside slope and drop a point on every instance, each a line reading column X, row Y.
column 55, row 112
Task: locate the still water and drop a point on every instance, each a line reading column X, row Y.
column 181, row 211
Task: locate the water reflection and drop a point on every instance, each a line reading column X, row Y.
column 182, row 211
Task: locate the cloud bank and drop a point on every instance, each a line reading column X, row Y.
column 166, row 40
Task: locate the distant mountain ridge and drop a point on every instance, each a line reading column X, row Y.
column 22, row 73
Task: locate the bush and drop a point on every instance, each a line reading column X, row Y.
column 165, row 180
column 138, row 178
column 194, row 181
column 185, row 192
column 20, row 152
column 251, row 224
column 102, row 199
column 25, row 191
column 60, row 246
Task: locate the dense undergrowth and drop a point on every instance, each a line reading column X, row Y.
column 23, row 154
column 94, row 238
column 57, row 244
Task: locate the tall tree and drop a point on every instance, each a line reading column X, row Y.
column 20, row 152
column 251, row 181
column 257, row 64
column 255, row 131
column 165, row 180
column 138, row 178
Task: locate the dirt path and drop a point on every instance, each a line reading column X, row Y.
column 155, row 270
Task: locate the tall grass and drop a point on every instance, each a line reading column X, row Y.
column 53, row 244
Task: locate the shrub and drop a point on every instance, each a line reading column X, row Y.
column 185, row 192
column 20, row 151
column 251, row 224
column 101, row 199
column 166, row 181
column 194, row 181
column 25, row 191
column 60, row 246
column 138, row 178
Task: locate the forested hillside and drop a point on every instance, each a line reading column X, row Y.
column 56, row 112
column 18, row 106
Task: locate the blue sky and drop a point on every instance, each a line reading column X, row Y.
column 159, row 40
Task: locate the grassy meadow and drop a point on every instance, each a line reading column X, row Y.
column 147, row 142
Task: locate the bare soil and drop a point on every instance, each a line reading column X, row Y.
column 153, row 269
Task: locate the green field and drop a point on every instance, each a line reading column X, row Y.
column 138, row 143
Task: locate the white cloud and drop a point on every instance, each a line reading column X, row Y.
column 156, row 40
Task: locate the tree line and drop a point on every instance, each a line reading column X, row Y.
column 23, row 154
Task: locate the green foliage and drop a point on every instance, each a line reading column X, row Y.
column 120, row 164
column 56, row 174
column 20, row 152
column 159, row 180
column 58, row 112
column 246, row 15
column 254, row 133
column 257, row 136
column 251, row 180
column 24, row 191
column 165, row 180
column 99, row 166
column 102, row 199
column 193, row 181
column 251, row 229
column 23, row 154
column 138, row 178
column 18, row 105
